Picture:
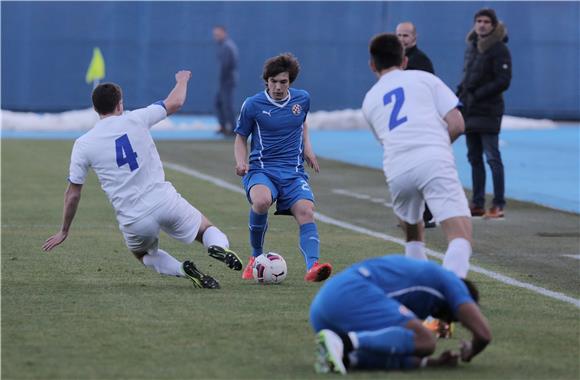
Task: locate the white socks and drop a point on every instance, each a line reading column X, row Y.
column 163, row 263
column 415, row 249
column 457, row 257
column 213, row 236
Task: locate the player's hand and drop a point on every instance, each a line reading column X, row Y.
column 311, row 160
column 466, row 351
column 182, row 75
column 448, row 359
column 242, row 169
column 54, row 240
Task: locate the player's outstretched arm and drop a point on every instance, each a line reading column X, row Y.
column 309, row 155
column 176, row 97
column 241, row 155
column 72, row 197
column 455, row 124
column 470, row 316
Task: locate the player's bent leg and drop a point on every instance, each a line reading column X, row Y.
column 260, row 197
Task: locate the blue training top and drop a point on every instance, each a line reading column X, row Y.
column 277, row 130
column 422, row 286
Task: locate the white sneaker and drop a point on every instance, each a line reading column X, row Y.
column 329, row 353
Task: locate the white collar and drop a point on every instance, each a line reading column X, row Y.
column 278, row 104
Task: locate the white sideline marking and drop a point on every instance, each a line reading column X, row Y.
column 577, row 257
column 326, row 219
column 352, row 194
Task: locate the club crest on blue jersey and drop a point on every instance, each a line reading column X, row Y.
column 296, row 109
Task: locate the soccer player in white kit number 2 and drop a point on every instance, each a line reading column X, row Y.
column 121, row 151
column 413, row 114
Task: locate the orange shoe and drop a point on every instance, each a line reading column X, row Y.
column 318, row 272
column 248, row 274
column 439, row 328
column 495, row 212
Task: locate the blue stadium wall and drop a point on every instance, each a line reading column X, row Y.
column 47, row 46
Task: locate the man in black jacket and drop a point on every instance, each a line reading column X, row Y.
column 487, row 74
column 417, row 60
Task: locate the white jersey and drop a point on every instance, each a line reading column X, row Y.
column 405, row 110
column 122, row 153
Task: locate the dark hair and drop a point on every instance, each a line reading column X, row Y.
column 106, row 97
column 285, row 62
column 488, row 12
column 472, row 289
column 386, row 51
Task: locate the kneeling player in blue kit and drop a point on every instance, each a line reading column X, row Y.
column 369, row 316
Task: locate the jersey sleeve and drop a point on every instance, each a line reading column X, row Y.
column 246, row 119
column 150, row 115
column 79, row 165
column 445, row 99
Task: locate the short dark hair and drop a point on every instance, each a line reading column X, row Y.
column 472, row 289
column 106, row 97
column 386, row 51
column 285, row 62
column 487, row 12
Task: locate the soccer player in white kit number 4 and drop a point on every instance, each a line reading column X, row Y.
column 121, row 151
column 413, row 114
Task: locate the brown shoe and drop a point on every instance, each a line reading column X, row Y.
column 495, row 212
column 476, row 211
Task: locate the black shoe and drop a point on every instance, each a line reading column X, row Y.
column 430, row 224
column 227, row 256
column 199, row 279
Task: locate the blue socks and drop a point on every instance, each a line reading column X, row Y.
column 258, row 226
column 309, row 244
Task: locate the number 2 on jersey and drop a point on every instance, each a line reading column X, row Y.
column 399, row 96
column 125, row 153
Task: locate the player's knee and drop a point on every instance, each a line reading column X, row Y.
column 261, row 204
column 304, row 214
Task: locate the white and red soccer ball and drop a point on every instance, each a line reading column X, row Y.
column 269, row 268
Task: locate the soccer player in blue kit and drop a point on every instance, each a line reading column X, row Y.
column 369, row 316
column 275, row 119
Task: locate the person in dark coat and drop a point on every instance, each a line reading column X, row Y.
column 417, row 60
column 487, row 74
column 227, row 54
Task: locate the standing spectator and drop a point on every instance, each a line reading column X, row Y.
column 487, row 74
column 227, row 55
column 416, row 60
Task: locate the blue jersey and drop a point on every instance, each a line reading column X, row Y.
column 276, row 129
column 421, row 286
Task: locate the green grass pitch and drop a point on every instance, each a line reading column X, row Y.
column 89, row 310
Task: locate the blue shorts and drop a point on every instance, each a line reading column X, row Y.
column 350, row 302
column 286, row 189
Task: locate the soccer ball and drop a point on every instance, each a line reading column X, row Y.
column 269, row 268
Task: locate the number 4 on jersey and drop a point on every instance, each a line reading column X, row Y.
column 125, row 153
column 399, row 96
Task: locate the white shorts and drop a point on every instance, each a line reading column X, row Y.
column 176, row 217
column 435, row 182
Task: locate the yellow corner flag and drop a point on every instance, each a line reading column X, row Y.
column 96, row 70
